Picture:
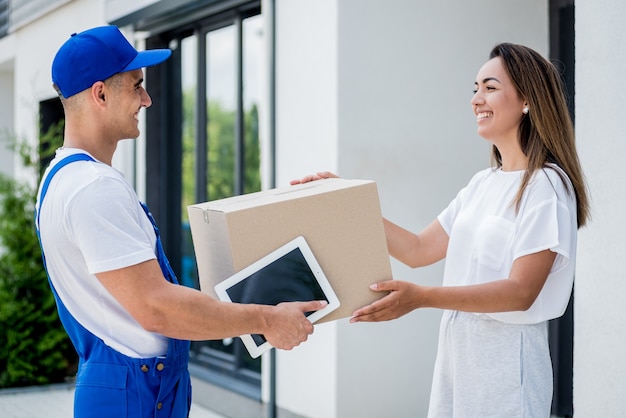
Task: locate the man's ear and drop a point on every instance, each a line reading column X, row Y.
column 98, row 90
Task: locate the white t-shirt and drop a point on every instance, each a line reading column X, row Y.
column 92, row 222
column 486, row 235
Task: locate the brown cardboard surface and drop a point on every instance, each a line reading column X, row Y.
column 340, row 219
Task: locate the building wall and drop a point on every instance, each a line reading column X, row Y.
column 6, row 120
column 36, row 44
column 307, row 141
column 599, row 321
column 382, row 91
column 32, row 77
column 115, row 9
column 7, row 102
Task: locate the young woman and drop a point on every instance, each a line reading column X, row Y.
column 509, row 240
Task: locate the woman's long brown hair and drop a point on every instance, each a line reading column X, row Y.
column 546, row 133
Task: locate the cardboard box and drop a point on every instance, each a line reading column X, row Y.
column 340, row 219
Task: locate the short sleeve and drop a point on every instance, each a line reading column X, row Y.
column 107, row 223
column 547, row 220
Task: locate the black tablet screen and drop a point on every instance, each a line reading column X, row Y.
column 287, row 279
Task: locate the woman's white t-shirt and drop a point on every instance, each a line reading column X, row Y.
column 486, row 235
column 92, row 222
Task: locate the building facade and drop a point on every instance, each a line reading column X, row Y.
column 259, row 92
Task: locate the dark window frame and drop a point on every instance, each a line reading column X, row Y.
column 164, row 165
column 561, row 330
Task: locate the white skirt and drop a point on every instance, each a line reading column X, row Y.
column 488, row 368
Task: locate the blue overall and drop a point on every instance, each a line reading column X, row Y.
column 110, row 384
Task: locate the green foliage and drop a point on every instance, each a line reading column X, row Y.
column 252, row 182
column 34, row 348
column 220, row 158
column 221, row 151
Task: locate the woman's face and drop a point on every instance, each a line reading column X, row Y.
column 496, row 104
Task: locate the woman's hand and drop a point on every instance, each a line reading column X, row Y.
column 312, row 177
column 403, row 297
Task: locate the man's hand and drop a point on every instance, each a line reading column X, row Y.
column 287, row 326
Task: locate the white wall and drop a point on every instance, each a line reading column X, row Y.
column 115, row 9
column 306, row 141
column 33, row 80
column 6, row 117
column 599, row 343
column 306, row 87
column 7, row 103
column 382, row 90
column 37, row 43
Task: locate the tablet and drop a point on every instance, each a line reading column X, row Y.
column 289, row 274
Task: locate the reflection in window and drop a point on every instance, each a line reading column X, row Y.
column 189, row 47
column 221, row 117
column 252, row 79
column 221, row 74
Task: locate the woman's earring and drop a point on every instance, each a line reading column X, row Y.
column 525, row 110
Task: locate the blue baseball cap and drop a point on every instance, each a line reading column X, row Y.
column 97, row 54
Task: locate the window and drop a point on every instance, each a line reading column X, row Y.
column 207, row 148
column 5, row 12
column 221, row 156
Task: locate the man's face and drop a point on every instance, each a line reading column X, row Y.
column 126, row 98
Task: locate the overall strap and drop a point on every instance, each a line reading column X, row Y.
column 82, row 339
column 65, row 161
column 46, row 183
column 164, row 263
column 161, row 257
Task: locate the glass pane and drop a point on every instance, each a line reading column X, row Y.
column 253, row 39
column 227, row 356
column 221, row 105
column 189, row 53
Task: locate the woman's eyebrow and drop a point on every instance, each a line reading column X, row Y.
column 485, row 80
